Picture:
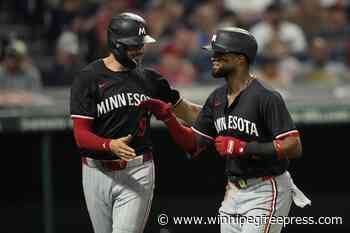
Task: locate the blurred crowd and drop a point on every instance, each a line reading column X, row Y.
column 44, row 42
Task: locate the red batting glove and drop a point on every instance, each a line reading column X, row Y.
column 230, row 146
column 160, row 109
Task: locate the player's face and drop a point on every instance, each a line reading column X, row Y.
column 222, row 64
column 136, row 53
column 225, row 64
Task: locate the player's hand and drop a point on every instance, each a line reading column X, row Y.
column 230, row 146
column 121, row 149
column 160, row 109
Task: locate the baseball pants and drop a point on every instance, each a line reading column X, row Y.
column 251, row 209
column 119, row 201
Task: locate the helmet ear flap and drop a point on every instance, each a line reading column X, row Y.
column 119, row 52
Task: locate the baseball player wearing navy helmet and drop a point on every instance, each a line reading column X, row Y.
column 113, row 134
column 251, row 129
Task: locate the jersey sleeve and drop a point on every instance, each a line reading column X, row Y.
column 204, row 125
column 277, row 117
column 162, row 88
column 82, row 97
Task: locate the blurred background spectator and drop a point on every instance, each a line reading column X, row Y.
column 66, row 62
column 19, row 77
column 61, row 17
column 249, row 11
column 335, row 29
column 299, row 40
column 271, row 73
column 305, row 13
column 274, row 28
column 319, row 69
column 172, row 65
column 16, row 70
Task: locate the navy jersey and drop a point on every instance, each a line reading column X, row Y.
column 257, row 114
column 111, row 100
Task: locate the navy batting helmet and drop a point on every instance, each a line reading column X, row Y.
column 127, row 30
column 234, row 40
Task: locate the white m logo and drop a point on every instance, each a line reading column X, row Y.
column 142, row 31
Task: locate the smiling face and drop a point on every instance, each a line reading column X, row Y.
column 224, row 64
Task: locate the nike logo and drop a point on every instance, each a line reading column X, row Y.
column 101, row 85
column 216, row 104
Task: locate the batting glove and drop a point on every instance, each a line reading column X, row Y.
column 230, row 146
column 160, row 109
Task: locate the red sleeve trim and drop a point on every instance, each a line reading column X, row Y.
column 202, row 134
column 293, row 133
column 81, row 116
column 278, row 143
column 85, row 138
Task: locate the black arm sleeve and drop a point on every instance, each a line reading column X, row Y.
column 262, row 150
column 163, row 89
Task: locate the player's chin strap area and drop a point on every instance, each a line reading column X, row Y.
column 120, row 54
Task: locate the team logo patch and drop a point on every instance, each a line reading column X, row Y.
column 216, row 103
column 102, row 84
column 142, row 31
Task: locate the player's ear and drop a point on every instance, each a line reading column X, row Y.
column 240, row 59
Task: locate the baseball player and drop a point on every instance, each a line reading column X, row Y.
column 112, row 132
column 251, row 128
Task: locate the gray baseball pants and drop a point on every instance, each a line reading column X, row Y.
column 119, row 201
column 254, row 208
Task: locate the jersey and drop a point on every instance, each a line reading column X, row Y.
column 257, row 114
column 111, row 99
